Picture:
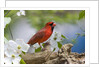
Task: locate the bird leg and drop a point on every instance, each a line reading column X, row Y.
column 41, row 46
column 43, row 49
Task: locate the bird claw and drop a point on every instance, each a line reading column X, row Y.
column 43, row 49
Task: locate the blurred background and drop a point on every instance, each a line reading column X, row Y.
column 25, row 23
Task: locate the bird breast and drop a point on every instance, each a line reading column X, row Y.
column 48, row 33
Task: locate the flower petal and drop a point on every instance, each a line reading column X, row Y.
column 31, row 49
column 53, row 43
column 22, row 12
column 52, row 48
column 36, row 45
column 18, row 14
column 58, row 36
column 19, row 42
column 5, row 46
column 24, row 47
column 7, row 60
column 9, row 52
column 16, row 60
column 12, row 44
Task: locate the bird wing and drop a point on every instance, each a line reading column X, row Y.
column 37, row 37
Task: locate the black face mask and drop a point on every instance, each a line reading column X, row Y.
column 51, row 26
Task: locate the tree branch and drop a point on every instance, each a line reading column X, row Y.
column 63, row 56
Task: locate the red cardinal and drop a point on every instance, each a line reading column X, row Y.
column 43, row 34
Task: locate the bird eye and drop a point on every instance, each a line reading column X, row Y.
column 51, row 24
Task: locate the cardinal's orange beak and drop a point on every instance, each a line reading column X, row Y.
column 54, row 24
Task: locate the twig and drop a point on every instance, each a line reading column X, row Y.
column 9, row 25
column 7, row 12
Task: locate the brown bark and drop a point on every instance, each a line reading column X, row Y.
column 63, row 56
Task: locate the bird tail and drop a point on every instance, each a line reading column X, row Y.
column 30, row 43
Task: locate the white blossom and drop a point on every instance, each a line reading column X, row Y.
column 21, row 45
column 56, row 37
column 21, row 12
column 17, row 46
column 7, row 20
column 11, row 56
column 13, row 49
column 33, row 47
column 12, row 60
column 54, row 45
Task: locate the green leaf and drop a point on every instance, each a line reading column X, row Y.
column 38, row 49
column 74, row 41
column 82, row 14
column 63, row 36
column 23, row 52
column 5, row 40
column 54, row 49
column 22, row 61
column 43, row 44
column 78, row 34
column 83, row 35
column 59, row 44
column 7, row 20
column 20, row 55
